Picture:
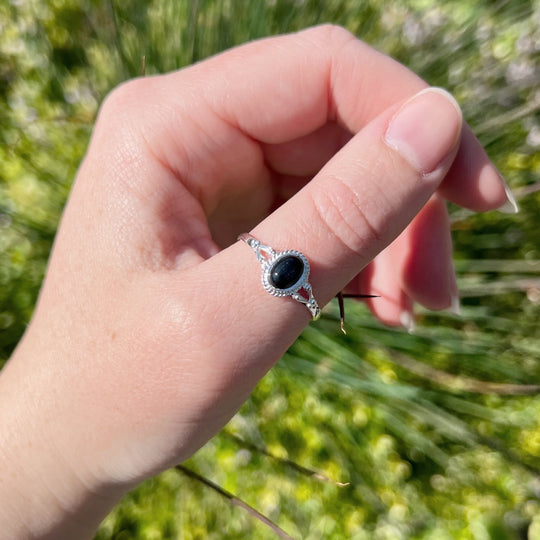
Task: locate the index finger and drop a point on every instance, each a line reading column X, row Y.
column 278, row 89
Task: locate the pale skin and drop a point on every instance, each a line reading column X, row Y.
column 152, row 326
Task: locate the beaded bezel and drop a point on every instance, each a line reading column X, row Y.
column 268, row 257
column 268, row 266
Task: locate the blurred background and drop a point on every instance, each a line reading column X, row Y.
column 378, row 434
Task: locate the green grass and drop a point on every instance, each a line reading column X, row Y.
column 436, row 434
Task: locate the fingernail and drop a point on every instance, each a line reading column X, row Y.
column 510, row 206
column 426, row 129
column 407, row 321
column 455, row 304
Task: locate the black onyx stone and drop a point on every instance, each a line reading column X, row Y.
column 286, row 272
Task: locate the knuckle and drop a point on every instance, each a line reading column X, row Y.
column 124, row 113
column 126, row 105
column 345, row 216
column 331, row 33
column 126, row 96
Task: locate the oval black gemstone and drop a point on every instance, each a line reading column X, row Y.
column 286, row 272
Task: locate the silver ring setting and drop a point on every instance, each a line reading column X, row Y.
column 284, row 273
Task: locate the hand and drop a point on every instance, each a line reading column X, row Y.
column 152, row 326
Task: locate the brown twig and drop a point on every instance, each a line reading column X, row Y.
column 287, row 462
column 464, row 384
column 234, row 500
column 340, row 296
column 143, row 65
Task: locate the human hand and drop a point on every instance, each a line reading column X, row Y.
column 152, row 326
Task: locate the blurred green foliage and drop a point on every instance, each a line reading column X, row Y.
column 433, row 432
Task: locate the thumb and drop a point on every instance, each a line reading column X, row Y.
column 358, row 203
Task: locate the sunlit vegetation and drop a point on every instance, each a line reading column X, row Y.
column 378, row 434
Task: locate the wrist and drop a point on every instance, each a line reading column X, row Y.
column 42, row 493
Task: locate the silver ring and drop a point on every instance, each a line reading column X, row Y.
column 284, row 273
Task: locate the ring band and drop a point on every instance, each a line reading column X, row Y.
column 284, row 273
